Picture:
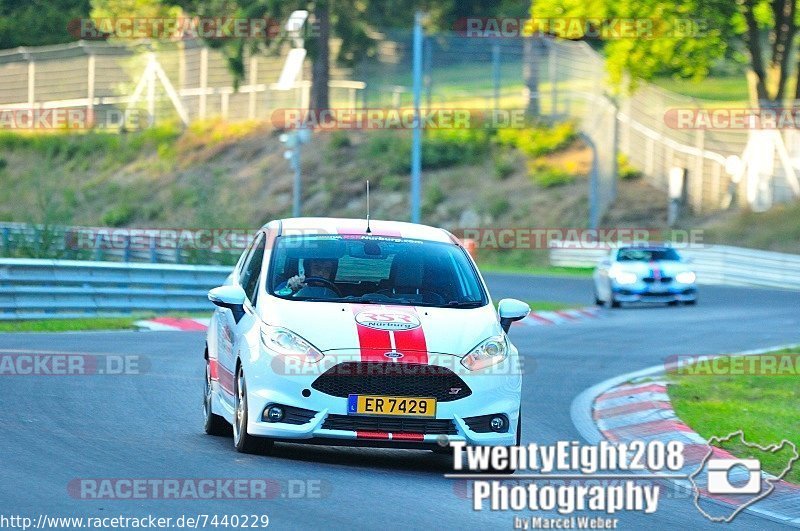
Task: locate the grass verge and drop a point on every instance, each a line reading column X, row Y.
column 83, row 324
column 67, row 325
column 764, row 407
column 547, row 271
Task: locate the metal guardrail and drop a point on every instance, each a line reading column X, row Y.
column 35, row 289
column 107, row 244
column 714, row 264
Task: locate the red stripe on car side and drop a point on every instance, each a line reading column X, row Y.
column 224, row 377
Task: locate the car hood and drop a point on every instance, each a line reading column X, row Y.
column 338, row 326
column 664, row 268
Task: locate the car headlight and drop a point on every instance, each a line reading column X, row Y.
column 488, row 353
column 625, row 277
column 287, row 343
column 686, row 277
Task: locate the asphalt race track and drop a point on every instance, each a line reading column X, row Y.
column 56, row 429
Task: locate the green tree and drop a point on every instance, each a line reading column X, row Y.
column 29, row 23
column 689, row 36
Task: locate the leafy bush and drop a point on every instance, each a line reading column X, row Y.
column 497, row 206
column 504, row 165
column 549, row 176
column 339, row 140
column 449, row 147
column 538, row 140
column 625, row 170
column 441, row 148
column 119, row 215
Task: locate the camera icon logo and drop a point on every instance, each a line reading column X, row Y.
column 725, row 476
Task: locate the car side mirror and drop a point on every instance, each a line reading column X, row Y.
column 231, row 297
column 511, row 310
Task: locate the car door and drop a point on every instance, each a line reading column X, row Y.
column 232, row 333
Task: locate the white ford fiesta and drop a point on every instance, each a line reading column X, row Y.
column 336, row 331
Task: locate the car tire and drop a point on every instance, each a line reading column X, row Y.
column 613, row 302
column 672, row 303
column 243, row 441
column 690, row 303
column 597, row 299
column 213, row 424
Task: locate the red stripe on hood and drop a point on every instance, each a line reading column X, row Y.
column 374, row 344
column 412, row 343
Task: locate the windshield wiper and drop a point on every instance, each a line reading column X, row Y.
column 464, row 304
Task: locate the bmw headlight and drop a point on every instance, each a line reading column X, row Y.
column 686, row 277
column 490, row 352
column 625, row 277
column 286, row 343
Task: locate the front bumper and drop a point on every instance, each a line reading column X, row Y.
column 656, row 293
column 495, row 390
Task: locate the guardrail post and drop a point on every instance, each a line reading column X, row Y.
column 178, row 253
column 6, row 241
column 153, row 251
column 98, row 248
column 126, row 253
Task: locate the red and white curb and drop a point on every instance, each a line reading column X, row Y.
column 558, row 317
column 174, row 324
column 636, row 406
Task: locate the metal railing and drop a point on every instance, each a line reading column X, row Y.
column 714, row 264
column 107, row 244
column 35, row 289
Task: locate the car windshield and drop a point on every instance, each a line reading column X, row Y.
column 632, row 254
column 373, row 270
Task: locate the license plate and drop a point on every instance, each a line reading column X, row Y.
column 391, row 405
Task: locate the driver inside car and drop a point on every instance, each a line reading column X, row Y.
column 321, row 269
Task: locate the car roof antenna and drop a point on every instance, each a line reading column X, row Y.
column 368, row 229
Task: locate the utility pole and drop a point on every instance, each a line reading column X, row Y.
column 291, row 69
column 416, row 143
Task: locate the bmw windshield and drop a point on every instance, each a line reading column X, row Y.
column 633, row 254
column 373, row 270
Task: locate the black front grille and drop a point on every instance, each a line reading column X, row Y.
column 663, row 280
column 392, row 379
column 390, row 424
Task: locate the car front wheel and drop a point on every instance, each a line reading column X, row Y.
column 243, row 441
